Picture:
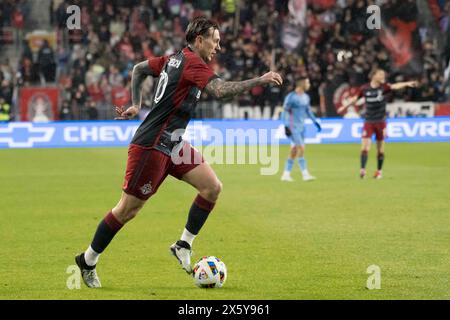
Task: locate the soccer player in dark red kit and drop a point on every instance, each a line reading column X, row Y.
column 181, row 79
column 375, row 115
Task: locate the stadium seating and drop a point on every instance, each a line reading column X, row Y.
column 337, row 49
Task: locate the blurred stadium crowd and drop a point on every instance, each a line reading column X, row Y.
column 93, row 66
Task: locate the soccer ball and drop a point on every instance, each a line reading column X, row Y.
column 210, row 272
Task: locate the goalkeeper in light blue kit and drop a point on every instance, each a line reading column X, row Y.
column 296, row 108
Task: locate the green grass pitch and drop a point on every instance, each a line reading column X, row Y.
column 301, row 240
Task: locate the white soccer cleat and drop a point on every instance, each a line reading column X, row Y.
column 91, row 279
column 182, row 251
column 286, row 177
column 378, row 174
column 89, row 274
column 362, row 173
column 308, row 177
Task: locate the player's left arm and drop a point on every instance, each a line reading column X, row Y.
column 402, row 85
column 313, row 117
column 221, row 89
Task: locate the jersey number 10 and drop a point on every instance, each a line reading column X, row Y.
column 162, row 84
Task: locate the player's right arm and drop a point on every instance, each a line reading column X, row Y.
column 141, row 71
column 286, row 115
column 347, row 103
column 221, row 89
column 350, row 101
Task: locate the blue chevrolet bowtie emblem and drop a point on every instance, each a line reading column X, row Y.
column 24, row 134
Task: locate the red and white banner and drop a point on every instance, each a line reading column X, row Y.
column 442, row 109
column 400, row 36
column 39, row 104
column 298, row 8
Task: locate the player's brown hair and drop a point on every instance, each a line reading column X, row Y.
column 200, row 26
column 374, row 71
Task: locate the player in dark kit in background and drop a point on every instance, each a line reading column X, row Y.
column 156, row 147
column 375, row 115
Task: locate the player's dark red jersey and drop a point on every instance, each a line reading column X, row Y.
column 375, row 102
column 182, row 76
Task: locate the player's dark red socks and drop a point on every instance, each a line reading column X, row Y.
column 106, row 231
column 363, row 159
column 198, row 214
column 380, row 158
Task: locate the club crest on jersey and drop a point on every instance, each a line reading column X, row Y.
column 375, row 97
column 174, row 63
column 146, row 188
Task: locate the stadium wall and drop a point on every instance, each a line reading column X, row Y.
column 213, row 132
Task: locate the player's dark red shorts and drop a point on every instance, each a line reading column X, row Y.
column 147, row 168
column 374, row 127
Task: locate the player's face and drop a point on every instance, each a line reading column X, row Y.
column 210, row 45
column 306, row 85
column 380, row 76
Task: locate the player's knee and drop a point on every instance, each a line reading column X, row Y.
column 219, row 188
column 212, row 192
column 216, row 189
column 293, row 152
